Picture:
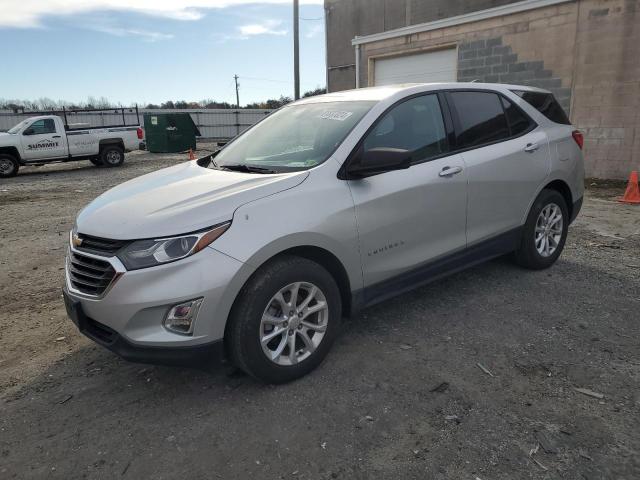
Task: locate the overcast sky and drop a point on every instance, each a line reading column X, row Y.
column 155, row 50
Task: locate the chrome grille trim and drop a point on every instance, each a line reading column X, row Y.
column 89, row 275
column 100, row 246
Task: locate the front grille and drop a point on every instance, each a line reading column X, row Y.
column 89, row 275
column 100, row 246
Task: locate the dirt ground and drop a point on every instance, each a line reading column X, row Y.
column 401, row 395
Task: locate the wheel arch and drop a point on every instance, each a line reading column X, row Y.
column 563, row 189
column 13, row 151
column 559, row 185
column 331, row 263
column 109, row 142
column 315, row 253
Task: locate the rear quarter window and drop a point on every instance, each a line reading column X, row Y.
column 546, row 104
column 481, row 118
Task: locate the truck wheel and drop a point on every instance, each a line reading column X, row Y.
column 96, row 161
column 112, row 156
column 285, row 320
column 8, row 166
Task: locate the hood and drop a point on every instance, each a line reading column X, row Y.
column 4, row 136
column 177, row 200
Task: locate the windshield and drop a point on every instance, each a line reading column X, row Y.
column 18, row 127
column 297, row 137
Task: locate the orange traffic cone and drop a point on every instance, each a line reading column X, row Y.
column 632, row 193
column 191, row 155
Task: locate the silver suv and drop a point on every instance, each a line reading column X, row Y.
column 329, row 205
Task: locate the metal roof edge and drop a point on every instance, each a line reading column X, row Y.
column 508, row 9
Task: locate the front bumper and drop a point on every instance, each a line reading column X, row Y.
column 198, row 356
column 128, row 317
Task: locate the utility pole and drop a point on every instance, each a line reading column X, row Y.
column 296, row 50
column 235, row 77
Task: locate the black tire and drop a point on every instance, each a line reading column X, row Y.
column 9, row 166
column 112, row 156
column 527, row 254
column 244, row 328
column 96, row 161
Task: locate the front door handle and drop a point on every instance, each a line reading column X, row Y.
column 450, row 171
column 56, row 136
column 531, row 147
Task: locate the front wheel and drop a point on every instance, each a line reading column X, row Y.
column 112, row 156
column 545, row 233
column 285, row 320
column 8, row 166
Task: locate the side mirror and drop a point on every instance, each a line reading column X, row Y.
column 28, row 131
column 379, row 160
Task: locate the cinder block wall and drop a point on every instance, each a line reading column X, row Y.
column 606, row 87
column 587, row 52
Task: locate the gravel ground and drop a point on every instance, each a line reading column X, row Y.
column 400, row 396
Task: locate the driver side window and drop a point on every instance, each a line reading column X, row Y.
column 44, row 126
column 415, row 125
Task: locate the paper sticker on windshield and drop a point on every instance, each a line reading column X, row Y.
column 336, row 115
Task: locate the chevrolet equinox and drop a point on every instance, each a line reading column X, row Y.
column 328, row 205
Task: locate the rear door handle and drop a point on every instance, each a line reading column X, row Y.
column 531, row 147
column 56, row 136
column 449, row 171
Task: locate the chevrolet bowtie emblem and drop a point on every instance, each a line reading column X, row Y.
column 76, row 240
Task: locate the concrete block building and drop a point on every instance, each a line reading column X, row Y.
column 585, row 51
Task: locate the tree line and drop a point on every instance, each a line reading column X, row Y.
column 45, row 103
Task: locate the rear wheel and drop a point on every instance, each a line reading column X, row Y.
column 545, row 232
column 112, row 156
column 8, row 166
column 284, row 320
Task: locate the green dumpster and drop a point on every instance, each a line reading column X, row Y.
column 170, row 132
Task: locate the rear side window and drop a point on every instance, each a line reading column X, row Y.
column 481, row 118
column 546, row 104
column 519, row 122
column 415, row 125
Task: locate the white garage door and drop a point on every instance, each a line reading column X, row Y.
column 438, row 66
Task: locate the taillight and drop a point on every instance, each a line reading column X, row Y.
column 139, row 131
column 578, row 137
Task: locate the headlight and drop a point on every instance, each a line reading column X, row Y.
column 148, row 253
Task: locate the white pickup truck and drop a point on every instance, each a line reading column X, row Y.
column 48, row 138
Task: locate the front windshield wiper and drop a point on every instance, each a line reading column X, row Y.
column 241, row 167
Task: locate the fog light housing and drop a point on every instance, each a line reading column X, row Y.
column 181, row 317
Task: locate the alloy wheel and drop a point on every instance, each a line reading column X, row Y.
column 294, row 323
column 548, row 231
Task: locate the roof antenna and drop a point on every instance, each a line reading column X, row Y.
column 474, row 80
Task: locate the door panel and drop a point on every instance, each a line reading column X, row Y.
column 409, row 217
column 45, row 142
column 503, row 180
